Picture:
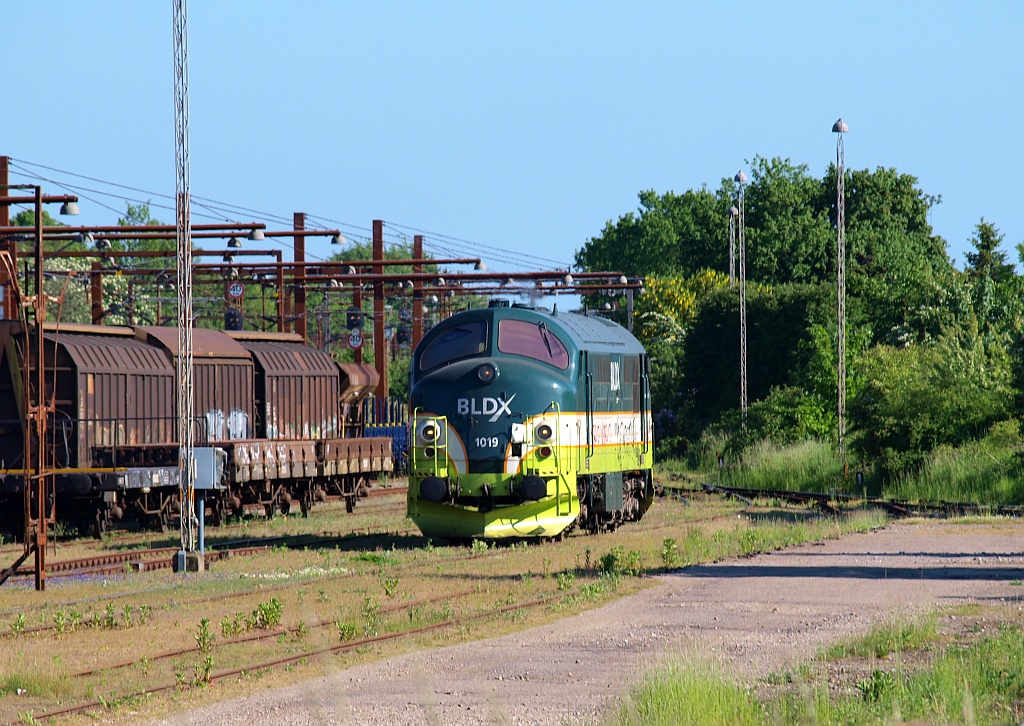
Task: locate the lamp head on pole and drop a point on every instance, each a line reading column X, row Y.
column 256, row 235
column 234, row 243
column 840, row 127
column 69, row 208
column 733, row 212
column 740, row 177
column 338, row 240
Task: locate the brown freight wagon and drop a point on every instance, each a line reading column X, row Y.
column 285, row 416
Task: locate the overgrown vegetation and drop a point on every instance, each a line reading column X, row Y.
column 935, row 354
column 978, row 683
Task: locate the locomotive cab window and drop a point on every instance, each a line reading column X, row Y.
column 532, row 340
column 460, row 341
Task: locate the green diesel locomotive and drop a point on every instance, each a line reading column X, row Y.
column 527, row 423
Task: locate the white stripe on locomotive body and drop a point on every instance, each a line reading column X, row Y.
column 609, row 430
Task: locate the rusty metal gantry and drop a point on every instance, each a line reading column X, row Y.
column 293, row 279
column 36, row 408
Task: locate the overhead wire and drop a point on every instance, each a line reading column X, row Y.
column 436, row 243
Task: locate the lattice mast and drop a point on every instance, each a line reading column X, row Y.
column 840, row 127
column 741, row 222
column 733, row 213
column 186, row 441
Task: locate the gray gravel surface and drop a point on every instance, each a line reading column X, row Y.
column 754, row 615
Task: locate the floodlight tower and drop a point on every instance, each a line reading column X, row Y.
column 741, row 178
column 733, row 213
column 840, row 127
column 186, row 442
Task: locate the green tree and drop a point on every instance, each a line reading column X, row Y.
column 915, row 398
column 670, row 235
column 788, row 234
column 988, row 272
column 66, row 279
column 779, row 338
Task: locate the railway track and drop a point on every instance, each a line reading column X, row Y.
column 304, row 655
column 827, row 501
column 160, row 558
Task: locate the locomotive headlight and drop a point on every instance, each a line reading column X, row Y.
column 545, row 432
column 429, row 431
column 487, row 373
column 544, row 452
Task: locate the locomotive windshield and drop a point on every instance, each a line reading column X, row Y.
column 533, row 340
column 460, row 341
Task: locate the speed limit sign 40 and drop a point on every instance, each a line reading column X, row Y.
column 236, row 290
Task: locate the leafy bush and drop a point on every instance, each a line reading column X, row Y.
column 917, row 398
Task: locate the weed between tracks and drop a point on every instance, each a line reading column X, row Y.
column 106, row 639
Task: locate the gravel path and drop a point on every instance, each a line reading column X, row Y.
column 757, row 615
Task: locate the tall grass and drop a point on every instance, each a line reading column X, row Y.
column 987, row 471
column 768, row 535
column 688, row 694
column 805, row 466
column 978, row 684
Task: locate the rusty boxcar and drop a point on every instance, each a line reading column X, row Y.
column 285, row 415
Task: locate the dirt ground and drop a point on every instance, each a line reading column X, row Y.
column 756, row 616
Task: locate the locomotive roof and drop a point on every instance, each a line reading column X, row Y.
column 591, row 333
column 598, row 334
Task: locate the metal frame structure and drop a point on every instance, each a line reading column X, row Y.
column 36, row 407
column 840, row 127
column 741, row 178
column 186, row 436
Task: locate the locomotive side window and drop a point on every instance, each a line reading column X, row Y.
column 533, row 340
column 460, row 341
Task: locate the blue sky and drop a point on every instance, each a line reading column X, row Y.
column 511, row 130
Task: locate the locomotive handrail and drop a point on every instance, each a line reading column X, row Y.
column 590, row 415
column 440, row 445
column 646, row 414
column 533, row 465
column 560, row 473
